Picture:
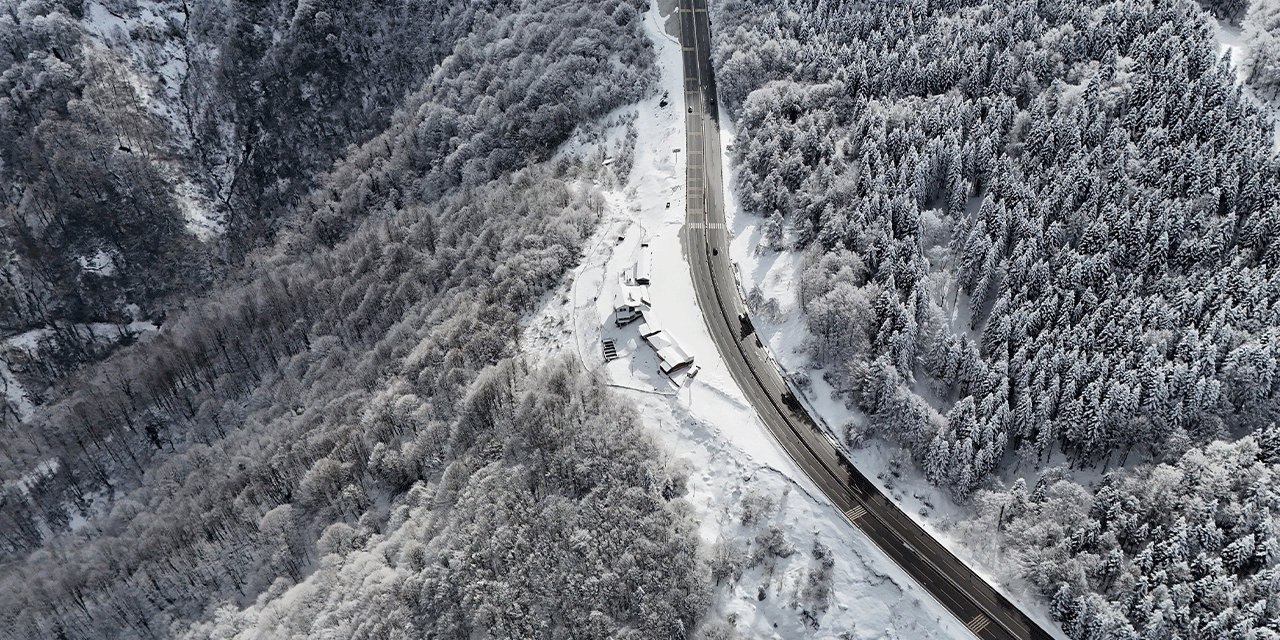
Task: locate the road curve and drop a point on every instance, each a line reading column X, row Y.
column 978, row 606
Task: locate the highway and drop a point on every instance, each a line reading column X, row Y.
column 978, row 606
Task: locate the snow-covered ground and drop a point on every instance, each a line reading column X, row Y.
column 166, row 64
column 705, row 420
column 29, row 341
column 43, row 470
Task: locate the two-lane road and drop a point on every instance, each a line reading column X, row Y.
column 977, row 605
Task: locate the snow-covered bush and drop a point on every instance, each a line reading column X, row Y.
column 1262, row 37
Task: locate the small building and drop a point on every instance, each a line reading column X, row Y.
column 648, row 328
column 670, row 356
column 641, row 269
column 629, row 305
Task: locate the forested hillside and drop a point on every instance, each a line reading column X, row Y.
column 90, row 222
column 562, row 520
column 235, row 112
column 350, row 392
column 1173, row 550
column 1034, row 231
column 127, row 123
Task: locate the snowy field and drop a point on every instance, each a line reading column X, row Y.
column 735, row 467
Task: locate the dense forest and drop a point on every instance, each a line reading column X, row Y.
column 336, row 381
column 1184, row 549
column 1035, row 231
column 260, row 101
column 519, row 538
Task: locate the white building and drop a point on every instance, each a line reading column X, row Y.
column 670, row 356
column 640, row 270
column 629, row 305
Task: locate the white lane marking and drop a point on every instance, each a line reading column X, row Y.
column 978, row 623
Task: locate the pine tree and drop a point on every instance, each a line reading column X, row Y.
column 938, row 460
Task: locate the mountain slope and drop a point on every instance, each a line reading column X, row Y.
column 291, row 410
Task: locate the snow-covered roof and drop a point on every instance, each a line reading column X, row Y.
column 670, row 355
column 649, row 328
column 631, row 296
column 640, row 271
column 673, row 358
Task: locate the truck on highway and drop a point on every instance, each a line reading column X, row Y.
column 791, row 401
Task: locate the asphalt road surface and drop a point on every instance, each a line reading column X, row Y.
column 977, row 605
